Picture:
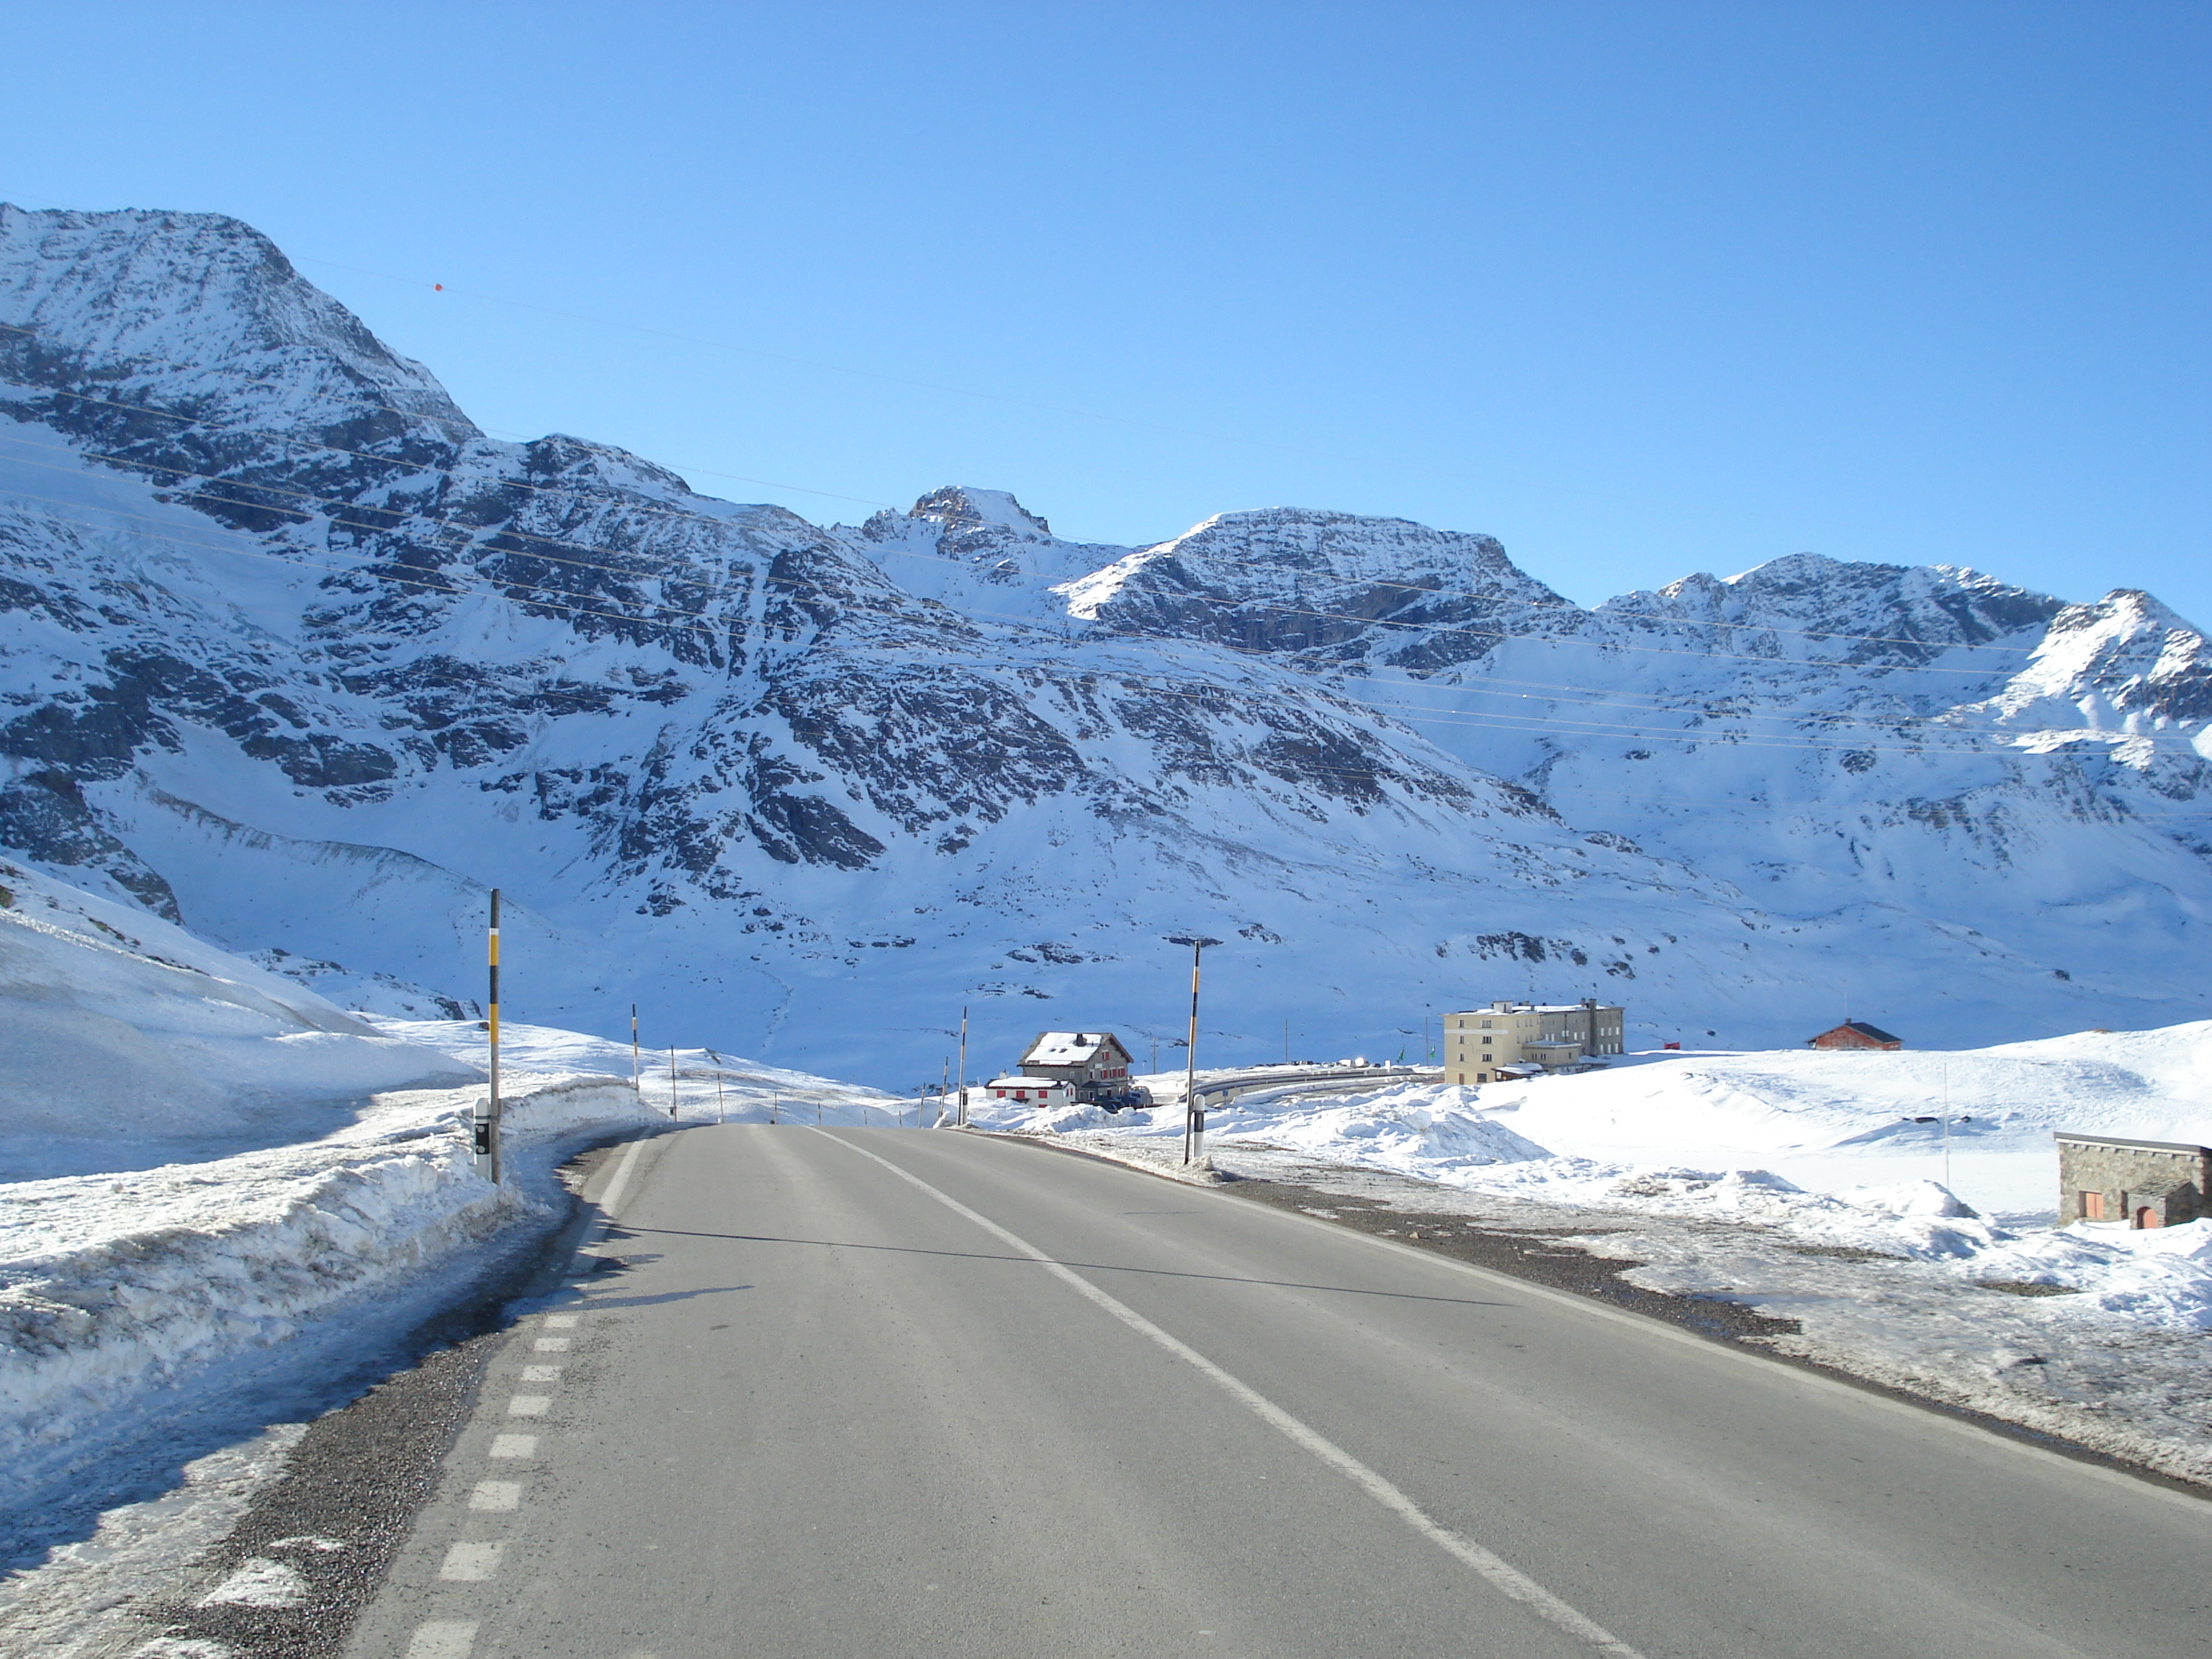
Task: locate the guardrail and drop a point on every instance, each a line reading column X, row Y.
column 1348, row 1079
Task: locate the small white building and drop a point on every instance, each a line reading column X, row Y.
column 1040, row 1092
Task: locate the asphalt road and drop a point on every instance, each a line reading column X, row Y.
column 885, row 1393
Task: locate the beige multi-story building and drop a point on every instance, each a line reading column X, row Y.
column 1521, row 1035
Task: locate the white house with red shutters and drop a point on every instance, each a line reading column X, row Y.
column 1040, row 1093
column 1093, row 1063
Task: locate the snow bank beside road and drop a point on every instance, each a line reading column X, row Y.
column 118, row 1290
column 208, row 1161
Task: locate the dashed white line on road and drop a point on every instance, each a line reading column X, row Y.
column 541, row 1373
column 529, row 1405
column 551, row 1344
column 497, row 1495
column 443, row 1639
column 513, row 1445
column 1500, row 1573
column 561, row 1321
column 468, row 1563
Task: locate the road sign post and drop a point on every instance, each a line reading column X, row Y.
column 487, row 1112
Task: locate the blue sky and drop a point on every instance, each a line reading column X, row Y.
column 1643, row 288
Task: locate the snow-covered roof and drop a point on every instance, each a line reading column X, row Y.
column 1025, row 1082
column 1070, row 1048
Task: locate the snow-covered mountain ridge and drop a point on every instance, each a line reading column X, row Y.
column 294, row 653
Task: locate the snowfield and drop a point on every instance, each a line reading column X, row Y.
column 130, row 1043
column 1844, row 1150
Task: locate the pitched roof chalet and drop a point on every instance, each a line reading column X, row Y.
column 1071, row 1048
column 1872, row 1033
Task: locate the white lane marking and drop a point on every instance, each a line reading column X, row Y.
column 550, row 1344
column 443, row 1639
column 529, row 1405
column 513, row 1445
column 561, row 1322
column 468, row 1563
column 541, row 1373
column 612, row 1196
column 1501, row 1574
column 497, row 1496
column 1927, row 1415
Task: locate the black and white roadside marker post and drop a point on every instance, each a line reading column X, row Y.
column 1193, row 1113
column 636, row 1058
column 487, row 1115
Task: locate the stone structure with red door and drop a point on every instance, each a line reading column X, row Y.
column 2144, row 1183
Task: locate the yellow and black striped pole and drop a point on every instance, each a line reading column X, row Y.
column 487, row 1112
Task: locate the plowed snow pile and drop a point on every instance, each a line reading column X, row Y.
column 209, row 1163
column 1841, row 1151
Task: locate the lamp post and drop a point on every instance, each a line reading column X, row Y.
column 1194, row 1114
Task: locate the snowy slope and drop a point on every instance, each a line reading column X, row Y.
column 130, row 1043
column 293, row 652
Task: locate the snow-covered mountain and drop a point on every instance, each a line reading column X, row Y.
column 294, row 653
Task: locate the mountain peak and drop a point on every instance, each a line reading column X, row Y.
column 959, row 507
column 197, row 309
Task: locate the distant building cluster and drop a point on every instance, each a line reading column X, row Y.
column 1509, row 1040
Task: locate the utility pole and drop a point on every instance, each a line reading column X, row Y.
column 1947, row 1124
column 1194, row 1114
column 963, row 1068
column 487, row 1117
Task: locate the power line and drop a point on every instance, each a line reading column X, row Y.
column 1599, row 697
column 651, row 507
column 1158, row 684
column 386, row 406
column 1409, row 588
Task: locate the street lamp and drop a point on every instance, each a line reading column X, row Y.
column 1194, row 1114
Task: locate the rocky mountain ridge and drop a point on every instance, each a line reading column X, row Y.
column 294, row 653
